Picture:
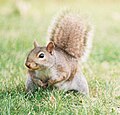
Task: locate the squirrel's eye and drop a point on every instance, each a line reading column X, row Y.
column 41, row 55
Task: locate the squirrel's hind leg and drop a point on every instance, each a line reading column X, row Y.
column 79, row 83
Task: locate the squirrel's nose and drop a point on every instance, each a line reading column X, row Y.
column 27, row 64
column 31, row 65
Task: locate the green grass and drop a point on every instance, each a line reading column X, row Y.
column 17, row 33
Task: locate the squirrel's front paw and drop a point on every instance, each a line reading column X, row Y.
column 40, row 83
column 51, row 82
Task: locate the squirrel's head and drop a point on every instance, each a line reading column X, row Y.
column 41, row 57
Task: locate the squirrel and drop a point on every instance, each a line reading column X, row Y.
column 57, row 63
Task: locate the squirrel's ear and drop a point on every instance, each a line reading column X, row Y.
column 36, row 44
column 50, row 47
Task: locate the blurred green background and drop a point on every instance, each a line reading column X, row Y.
column 22, row 21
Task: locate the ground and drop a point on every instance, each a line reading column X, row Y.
column 23, row 21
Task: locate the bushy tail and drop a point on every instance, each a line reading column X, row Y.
column 72, row 33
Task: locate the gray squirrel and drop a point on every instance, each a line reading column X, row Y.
column 57, row 63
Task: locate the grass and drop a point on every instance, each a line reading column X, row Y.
column 18, row 29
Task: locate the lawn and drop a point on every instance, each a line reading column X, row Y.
column 19, row 28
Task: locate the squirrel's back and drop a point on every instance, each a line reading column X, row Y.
column 72, row 33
